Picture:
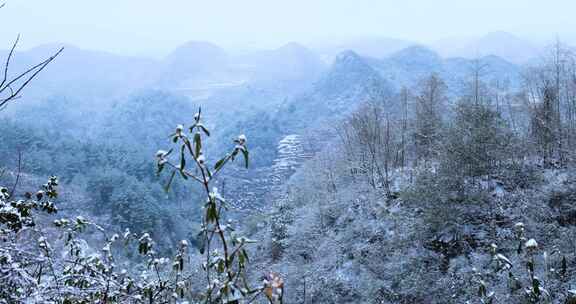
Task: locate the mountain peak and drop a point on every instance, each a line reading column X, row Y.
column 377, row 47
column 347, row 58
column 416, row 58
column 348, row 73
column 46, row 49
column 192, row 60
column 296, row 49
column 417, row 52
column 351, row 64
column 200, row 49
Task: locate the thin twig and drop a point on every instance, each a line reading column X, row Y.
column 7, row 64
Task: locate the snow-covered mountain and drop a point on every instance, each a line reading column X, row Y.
column 292, row 65
column 501, row 44
column 377, row 47
column 194, row 61
column 410, row 65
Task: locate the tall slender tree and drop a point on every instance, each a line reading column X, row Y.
column 428, row 116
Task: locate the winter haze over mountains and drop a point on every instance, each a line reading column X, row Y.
column 197, row 68
column 197, row 48
column 270, row 152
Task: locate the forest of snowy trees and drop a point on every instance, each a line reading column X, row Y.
column 279, row 176
column 421, row 196
column 441, row 198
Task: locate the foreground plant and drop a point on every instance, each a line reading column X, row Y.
column 225, row 255
column 523, row 281
column 43, row 261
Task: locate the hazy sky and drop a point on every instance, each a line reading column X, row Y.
column 155, row 27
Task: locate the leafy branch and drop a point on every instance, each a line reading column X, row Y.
column 225, row 265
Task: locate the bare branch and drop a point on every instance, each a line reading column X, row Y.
column 31, row 73
column 8, row 60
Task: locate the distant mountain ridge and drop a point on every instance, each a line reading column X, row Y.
column 376, row 47
column 84, row 73
column 290, row 65
column 198, row 69
column 408, row 66
column 289, row 90
column 502, row 44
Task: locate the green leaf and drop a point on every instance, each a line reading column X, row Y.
column 221, row 266
column 189, row 146
column 197, row 144
column 167, row 187
column 211, row 213
column 234, row 154
column 246, row 158
column 182, row 159
column 220, row 163
column 241, row 259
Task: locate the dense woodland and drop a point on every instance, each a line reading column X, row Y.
column 411, row 178
column 431, row 197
